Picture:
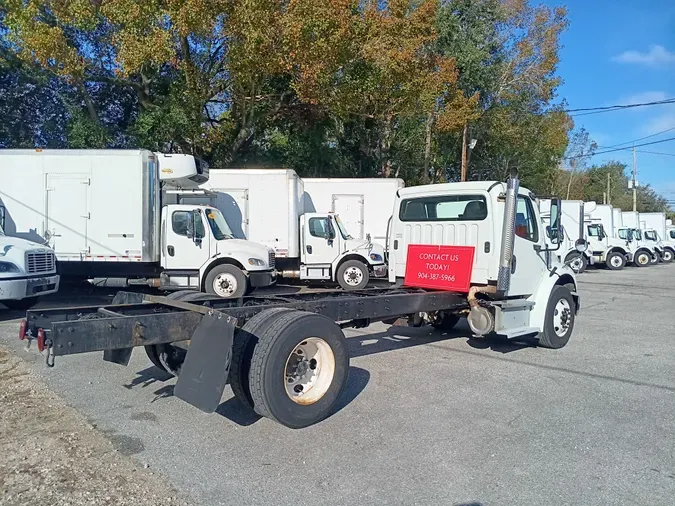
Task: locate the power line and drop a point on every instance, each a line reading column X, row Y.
column 619, row 149
column 655, row 153
column 598, row 110
column 636, row 140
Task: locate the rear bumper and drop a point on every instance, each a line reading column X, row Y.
column 22, row 288
column 261, row 279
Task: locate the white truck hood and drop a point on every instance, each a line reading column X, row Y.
column 239, row 248
column 14, row 249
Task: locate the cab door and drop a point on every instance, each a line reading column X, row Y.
column 186, row 241
column 321, row 240
column 529, row 265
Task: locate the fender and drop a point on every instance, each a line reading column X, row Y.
column 349, row 255
column 562, row 276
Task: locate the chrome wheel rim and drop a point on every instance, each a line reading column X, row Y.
column 616, row 261
column 353, row 276
column 225, row 285
column 643, row 259
column 562, row 317
column 309, row 371
column 667, row 256
column 576, row 264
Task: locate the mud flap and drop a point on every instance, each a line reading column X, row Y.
column 204, row 373
column 120, row 356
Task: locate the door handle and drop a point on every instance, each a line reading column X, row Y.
column 309, row 249
column 170, row 250
column 396, row 244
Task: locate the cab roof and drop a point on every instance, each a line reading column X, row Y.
column 468, row 186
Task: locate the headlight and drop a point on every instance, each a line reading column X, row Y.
column 256, row 261
column 7, row 267
column 375, row 257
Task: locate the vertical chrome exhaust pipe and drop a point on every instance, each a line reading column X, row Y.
column 508, row 235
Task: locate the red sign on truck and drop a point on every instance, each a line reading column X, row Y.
column 439, row 267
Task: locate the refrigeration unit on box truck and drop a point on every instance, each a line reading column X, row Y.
column 287, row 357
column 111, row 216
column 363, row 204
column 267, row 206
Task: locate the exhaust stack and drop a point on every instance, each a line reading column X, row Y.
column 508, row 236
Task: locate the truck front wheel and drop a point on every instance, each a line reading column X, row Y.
column 577, row 262
column 667, row 256
column 559, row 319
column 353, row 275
column 615, row 261
column 20, row 304
column 643, row 258
column 226, row 281
column 299, row 368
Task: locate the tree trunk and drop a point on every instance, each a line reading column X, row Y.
column 385, row 146
column 424, row 178
column 91, row 108
column 569, row 185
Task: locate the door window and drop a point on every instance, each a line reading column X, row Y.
column 444, row 208
column 319, row 227
column 526, row 225
column 672, row 234
column 181, row 223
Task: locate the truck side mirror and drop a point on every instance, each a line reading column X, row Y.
column 2, row 217
column 554, row 230
column 194, row 229
column 331, row 230
column 630, row 236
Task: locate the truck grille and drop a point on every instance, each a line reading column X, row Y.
column 40, row 262
column 272, row 260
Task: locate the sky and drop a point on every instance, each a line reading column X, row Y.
column 623, row 52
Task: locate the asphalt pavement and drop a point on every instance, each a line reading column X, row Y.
column 427, row 418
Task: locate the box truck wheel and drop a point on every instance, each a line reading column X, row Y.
column 559, row 318
column 226, row 281
column 667, row 256
column 353, row 275
column 20, row 304
column 298, row 369
column 245, row 341
column 643, row 258
column 615, row 261
column 577, row 262
column 167, row 357
column 656, row 258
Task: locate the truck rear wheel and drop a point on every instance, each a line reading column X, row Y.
column 353, row 275
column 298, row 369
column 226, row 281
column 615, row 261
column 20, row 304
column 245, row 341
column 577, row 262
column 167, row 357
column 643, row 258
column 559, row 319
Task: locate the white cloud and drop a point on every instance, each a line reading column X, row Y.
column 643, row 98
column 660, row 123
column 657, row 55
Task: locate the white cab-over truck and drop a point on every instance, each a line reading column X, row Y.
column 267, row 206
column 27, row 270
column 603, row 248
column 363, row 204
column 655, row 233
column 112, row 216
column 633, row 235
column 287, row 357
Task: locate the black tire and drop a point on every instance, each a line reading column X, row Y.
column 446, row 321
column 578, row 266
column 549, row 338
column 615, row 261
column 20, row 304
column 226, row 270
column 667, row 256
column 656, row 258
column 267, row 376
column 351, row 269
column 642, row 258
column 245, row 341
column 172, row 357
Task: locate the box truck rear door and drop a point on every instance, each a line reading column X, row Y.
column 67, row 213
column 350, row 208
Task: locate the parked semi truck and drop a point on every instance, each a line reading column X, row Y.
column 267, row 206
column 363, row 204
column 27, row 270
column 655, row 233
column 287, row 357
column 112, row 216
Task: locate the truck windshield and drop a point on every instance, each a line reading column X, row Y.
column 343, row 230
column 219, row 227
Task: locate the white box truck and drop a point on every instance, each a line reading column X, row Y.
column 363, row 204
column 267, row 206
column 632, row 234
column 617, row 222
column 110, row 215
column 654, row 227
column 27, row 270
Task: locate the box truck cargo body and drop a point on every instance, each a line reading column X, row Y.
column 268, row 206
column 617, row 222
column 108, row 214
column 363, row 204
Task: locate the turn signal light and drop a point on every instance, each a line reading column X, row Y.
column 41, row 340
column 22, row 329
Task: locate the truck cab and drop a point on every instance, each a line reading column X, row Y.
column 642, row 253
column 27, row 270
column 614, row 253
column 199, row 251
column 665, row 249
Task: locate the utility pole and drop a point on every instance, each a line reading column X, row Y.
column 634, row 180
column 464, row 135
column 604, row 197
column 609, row 195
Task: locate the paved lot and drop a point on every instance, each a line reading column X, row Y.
column 426, row 418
